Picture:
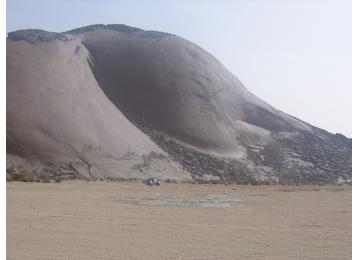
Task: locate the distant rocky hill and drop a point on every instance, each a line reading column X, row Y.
column 113, row 101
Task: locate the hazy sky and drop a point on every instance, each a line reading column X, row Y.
column 294, row 54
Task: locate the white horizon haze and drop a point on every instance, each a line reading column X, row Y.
column 296, row 55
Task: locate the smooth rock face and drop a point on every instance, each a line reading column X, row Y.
column 175, row 92
column 180, row 89
column 60, row 121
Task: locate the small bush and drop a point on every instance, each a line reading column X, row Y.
column 23, row 177
column 19, row 176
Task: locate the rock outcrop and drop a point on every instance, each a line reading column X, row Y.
column 99, row 95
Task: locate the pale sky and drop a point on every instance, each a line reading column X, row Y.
column 294, row 54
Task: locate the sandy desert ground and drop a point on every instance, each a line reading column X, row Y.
column 96, row 220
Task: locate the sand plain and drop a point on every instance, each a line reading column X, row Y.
column 128, row 220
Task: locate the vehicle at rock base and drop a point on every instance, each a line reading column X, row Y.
column 152, row 181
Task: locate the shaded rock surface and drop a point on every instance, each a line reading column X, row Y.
column 84, row 103
column 180, row 89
